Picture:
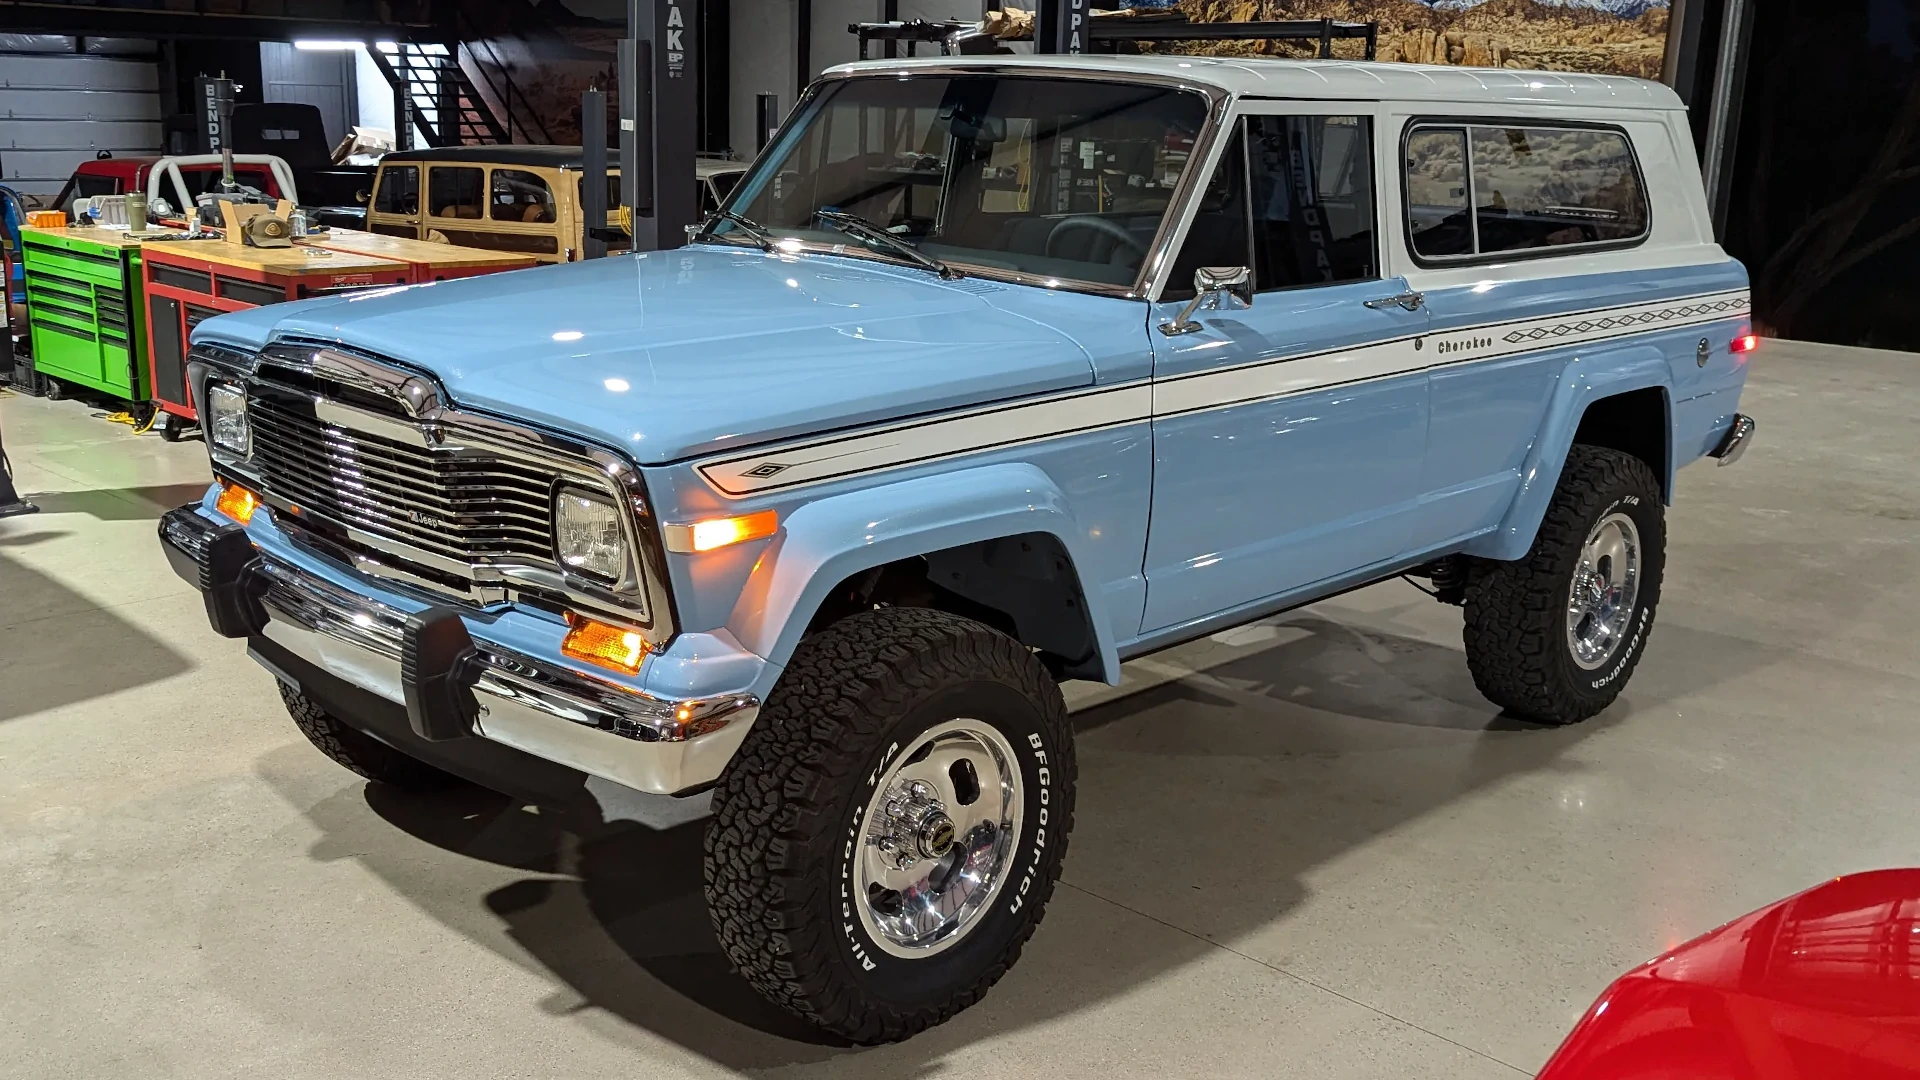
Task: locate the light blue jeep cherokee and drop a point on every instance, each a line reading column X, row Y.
column 990, row 374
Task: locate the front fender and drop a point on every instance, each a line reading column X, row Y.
column 1586, row 380
column 824, row 542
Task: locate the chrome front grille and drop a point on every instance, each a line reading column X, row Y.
column 464, row 505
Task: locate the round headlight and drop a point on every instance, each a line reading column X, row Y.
column 587, row 537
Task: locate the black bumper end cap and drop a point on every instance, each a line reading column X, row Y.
column 435, row 661
column 218, row 560
column 226, row 581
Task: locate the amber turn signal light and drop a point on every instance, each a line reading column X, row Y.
column 720, row 532
column 237, row 503
column 604, row 644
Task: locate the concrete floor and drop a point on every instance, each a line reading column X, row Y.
column 1306, row 848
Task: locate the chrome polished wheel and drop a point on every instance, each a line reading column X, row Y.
column 1606, row 588
column 939, row 838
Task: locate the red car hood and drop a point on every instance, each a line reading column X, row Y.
column 1825, row 984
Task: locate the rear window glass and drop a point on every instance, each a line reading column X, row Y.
column 455, row 192
column 1482, row 190
column 519, row 195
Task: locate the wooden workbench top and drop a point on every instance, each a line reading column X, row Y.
column 287, row 260
column 91, row 234
column 425, row 252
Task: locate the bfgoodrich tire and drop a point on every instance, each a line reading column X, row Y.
column 358, row 751
column 887, row 837
column 1555, row 636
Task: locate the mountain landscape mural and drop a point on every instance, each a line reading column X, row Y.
column 1613, row 37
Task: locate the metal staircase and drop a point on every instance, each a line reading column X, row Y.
column 433, row 93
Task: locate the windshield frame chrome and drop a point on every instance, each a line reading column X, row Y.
column 1150, row 279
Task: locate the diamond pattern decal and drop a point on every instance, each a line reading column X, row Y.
column 1634, row 318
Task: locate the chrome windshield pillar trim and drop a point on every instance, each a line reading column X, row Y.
column 1157, row 267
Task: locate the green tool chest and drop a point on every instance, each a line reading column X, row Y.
column 84, row 308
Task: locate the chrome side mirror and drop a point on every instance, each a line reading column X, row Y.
column 1212, row 285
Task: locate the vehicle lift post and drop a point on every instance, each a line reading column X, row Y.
column 1060, row 26
column 593, row 168
column 659, row 120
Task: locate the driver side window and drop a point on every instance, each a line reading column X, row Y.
column 1292, row 199
column 1218, row 235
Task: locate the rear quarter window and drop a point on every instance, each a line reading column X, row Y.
column 1479, row 188
column 456, row 191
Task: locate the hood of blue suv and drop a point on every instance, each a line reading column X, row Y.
column 677, row 354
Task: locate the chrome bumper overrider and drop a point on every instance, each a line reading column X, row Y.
column 452, row 684
column 1736, row 441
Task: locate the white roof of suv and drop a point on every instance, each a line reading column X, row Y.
column 1349, row 79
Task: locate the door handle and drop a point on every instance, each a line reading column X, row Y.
column 1409, row 300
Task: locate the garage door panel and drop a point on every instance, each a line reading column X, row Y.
column 24, row 136
column 57, row 111
column 80, row 73
column 55, row 105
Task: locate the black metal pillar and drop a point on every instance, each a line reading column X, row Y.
column 659, row 121
column 593, row 172
column 1060, row 26
column 1723, row 110
column 766, row 117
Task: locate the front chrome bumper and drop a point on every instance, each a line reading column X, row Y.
column 452, row 684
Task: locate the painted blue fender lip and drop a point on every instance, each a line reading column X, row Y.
column 828, row 540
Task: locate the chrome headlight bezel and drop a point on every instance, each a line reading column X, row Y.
column 223, row 414
column 599, row 548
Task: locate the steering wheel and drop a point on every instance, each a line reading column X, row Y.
column 1112, row 230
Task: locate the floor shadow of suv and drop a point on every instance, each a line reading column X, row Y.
column 615, row 911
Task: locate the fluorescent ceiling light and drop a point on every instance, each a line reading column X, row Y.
column 323, row 45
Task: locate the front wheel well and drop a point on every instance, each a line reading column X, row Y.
column 1024, row 586
column 1635, row 423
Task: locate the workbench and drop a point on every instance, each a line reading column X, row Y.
column 188, row 281
column 84, row 308
column 429, row 261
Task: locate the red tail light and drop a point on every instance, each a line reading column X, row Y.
column 1745, row 343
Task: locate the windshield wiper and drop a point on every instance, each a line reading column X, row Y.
column 856, row 225
column 753, row 231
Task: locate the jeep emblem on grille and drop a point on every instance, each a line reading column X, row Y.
column 421, row 517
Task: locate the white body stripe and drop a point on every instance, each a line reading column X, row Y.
column 952, row 434
column 1285, row 375
column 936, row 438
column 1260, row 379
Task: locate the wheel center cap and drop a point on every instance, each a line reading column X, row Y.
column 936, row 835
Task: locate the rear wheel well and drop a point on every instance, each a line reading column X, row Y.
column 1633, row 423
column 1024, row 586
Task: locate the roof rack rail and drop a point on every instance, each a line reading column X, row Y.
column 1106, row 34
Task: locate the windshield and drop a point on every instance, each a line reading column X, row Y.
column 1056, row 178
